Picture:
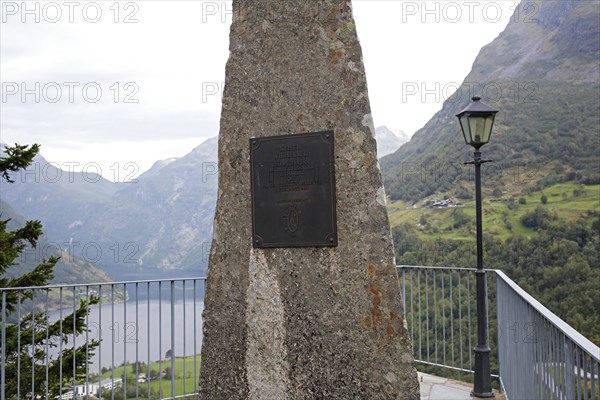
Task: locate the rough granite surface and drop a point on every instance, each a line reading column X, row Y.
column 302, row 323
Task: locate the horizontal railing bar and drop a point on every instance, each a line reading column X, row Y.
column 581, row 343
column 552, row 380
column 441, row 268
column 576, row 337
column 570, row 332
column 114, row 335
column 76, row 285
column 453, row 368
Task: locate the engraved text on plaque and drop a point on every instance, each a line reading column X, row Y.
column 293, row 190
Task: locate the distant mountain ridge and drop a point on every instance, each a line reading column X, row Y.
column 69, row 269
column 542, row 73
column 163, row 220
column 388, row 140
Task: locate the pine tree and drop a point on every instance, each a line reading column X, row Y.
column 27, row 336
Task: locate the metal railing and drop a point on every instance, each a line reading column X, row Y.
column 156, row 323
column 440, row 309
column 535, row 355
column 541, row 356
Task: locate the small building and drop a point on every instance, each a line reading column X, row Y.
column 92, row 388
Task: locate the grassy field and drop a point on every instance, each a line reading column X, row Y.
column 186, row 380
column 501, row 215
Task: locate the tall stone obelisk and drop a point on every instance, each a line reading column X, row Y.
column 289, row 318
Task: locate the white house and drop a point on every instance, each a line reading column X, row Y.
column 81, row 391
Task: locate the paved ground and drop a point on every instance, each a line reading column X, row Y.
column 436, row 388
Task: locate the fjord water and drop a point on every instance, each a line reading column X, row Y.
column 142, row 330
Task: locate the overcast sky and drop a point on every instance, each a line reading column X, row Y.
column 112, row 86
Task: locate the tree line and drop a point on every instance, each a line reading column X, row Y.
column 559, row 265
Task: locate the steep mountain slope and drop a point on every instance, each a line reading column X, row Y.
column 542, row 72
column 69, row 269
column 541, row 193
column 51, row 195
column 163, row 220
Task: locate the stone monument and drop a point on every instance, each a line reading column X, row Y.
column 302, row 299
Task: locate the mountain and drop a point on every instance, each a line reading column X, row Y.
column 542, row 73
column 162, row 220
column 388, row 141
column 541, row 210
column 51, row 195
column 69, row 269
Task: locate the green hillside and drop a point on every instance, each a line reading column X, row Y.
column 185, row 373
column 542, row 192
column 553, row 140
column 502, row 214
column 543, row 77
column 557, row 260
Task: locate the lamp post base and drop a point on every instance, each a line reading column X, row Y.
column 482, row 387
column 483, row 395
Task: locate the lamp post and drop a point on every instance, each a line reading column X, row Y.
column 476, row 122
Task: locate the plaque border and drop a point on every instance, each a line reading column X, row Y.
column 331, row 238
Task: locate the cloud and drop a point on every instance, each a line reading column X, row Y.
column 106, row 81
column 89, row 123
column 140, row 73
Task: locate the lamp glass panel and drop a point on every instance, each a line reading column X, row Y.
column 465, row 128
column 489, row 121
column 477, row 128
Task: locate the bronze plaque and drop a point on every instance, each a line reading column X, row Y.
column 293, row 190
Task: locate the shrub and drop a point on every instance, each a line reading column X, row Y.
column 538, row 218
column 460, row 218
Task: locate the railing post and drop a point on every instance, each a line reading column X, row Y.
column 31, row 371
column 569, row 369
column 173, row 338
column 539, row 355
column 3, row 366
column 403, row 293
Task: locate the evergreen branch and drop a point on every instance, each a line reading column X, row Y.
column 18, row 157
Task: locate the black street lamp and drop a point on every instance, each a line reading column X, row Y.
column 476, row 122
